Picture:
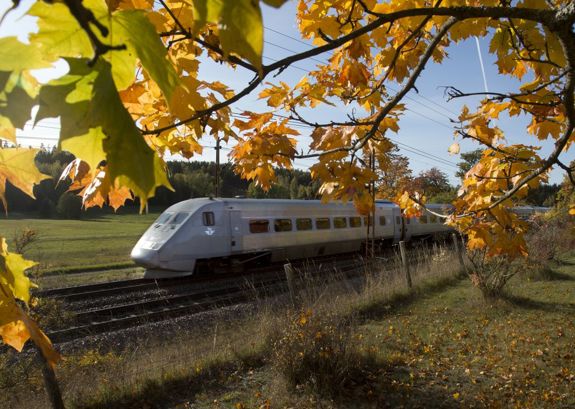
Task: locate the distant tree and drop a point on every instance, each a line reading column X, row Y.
column 432, row 182
column 469, row 160
column 565, row 198
column 447, row 196
column 279, row 190
column 69, row 206
column 294, row 188
column 396, row 177
column 542, row 195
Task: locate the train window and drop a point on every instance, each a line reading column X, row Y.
column 282, row 224
column 367, row 221
column 259, row 226
column 423, row 219
column 382, row 220
column 164, row 217
column 322, row 223
column 178, row 218
column 303, row 224
column 397, row 220
column 355, row 222
column 433, row 219
column 208, row 218
column 339, row 222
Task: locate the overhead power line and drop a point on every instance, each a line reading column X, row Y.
column 401, row 145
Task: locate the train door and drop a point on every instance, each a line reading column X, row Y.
column 406, row 230
column 235, row 231
column 398, row 228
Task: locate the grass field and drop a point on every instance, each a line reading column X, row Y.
column 442, row 346
column 439, row 345
column 74, row 244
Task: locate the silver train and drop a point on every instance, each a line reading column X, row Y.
column 211, row 234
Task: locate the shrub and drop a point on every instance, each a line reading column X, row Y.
column 319, row 353
column 24, row 238
column 542, row 240
column 491, row 274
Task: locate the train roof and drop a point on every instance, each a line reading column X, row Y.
column 191, row 205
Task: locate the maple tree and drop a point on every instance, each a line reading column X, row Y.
column 132, row 94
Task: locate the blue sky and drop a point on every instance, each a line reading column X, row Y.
column 425, row 132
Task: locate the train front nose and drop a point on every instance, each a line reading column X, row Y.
column 145, row 257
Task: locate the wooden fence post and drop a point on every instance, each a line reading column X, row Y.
column 458, row 250
column 51, row 383
column 405, row 264
column 288, row 268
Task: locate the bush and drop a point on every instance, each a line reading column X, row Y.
column 320, row 354
column 69, row 206
column 24, row 238
column 491, row 274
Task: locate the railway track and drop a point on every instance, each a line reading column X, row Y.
column 192, row 301
column 90, row 291
column 89, row 323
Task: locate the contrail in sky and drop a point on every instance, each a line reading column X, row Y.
column 481, row 63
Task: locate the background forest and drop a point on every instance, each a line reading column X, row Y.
column 197, row 179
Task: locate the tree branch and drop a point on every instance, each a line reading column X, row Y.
column 85, row 17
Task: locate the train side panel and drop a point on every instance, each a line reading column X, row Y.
column 221, row 232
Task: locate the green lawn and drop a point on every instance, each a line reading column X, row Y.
column 104, row 240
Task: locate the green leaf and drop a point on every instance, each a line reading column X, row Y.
column 18, row 92
column 17, row 56
column 18, row 107
column 17, row 167
column 239, row 23
column 129, row 157
column 96, row 126
column 69, row 97
column 60, row 35
column 89, row 146
column 141, row 36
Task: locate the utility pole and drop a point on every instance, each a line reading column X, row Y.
column 217, row 148
column 373, row 203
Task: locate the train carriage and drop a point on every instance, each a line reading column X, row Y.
column 213, row 233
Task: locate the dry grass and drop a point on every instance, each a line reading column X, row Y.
column 165, row 366
column 350, row 345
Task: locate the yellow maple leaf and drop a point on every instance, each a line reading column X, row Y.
column 410, row 207
column 275, row 95
column 16, row 327
column 17, row 167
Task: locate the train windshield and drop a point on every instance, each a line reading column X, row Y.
column 164, row 217
column 178, row 218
